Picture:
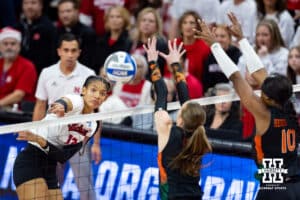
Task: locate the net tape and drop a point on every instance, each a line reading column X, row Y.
column 120, row 113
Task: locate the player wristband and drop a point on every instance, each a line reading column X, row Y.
column 253, row 62
column 225, row 63
column 62, row 102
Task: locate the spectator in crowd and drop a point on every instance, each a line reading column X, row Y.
column 67, row 77
column 137, row 91
column 197, row 50
column 149, row 24
column 17, row 75
column 269, row 46
column 141, row 4
column 246, row 12
column 38, row 35
column 225, row 115
column 294, row 7
column 116, row 38
column 92, row 12
column 294, row 72
column 112, row 103
column 276, row 10
column 206, row 9
column 212, row 72
column 68, row 13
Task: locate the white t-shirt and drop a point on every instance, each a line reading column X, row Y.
column 207, row 9
column 62, row 135
column 111, row 104
column 53, row 84
column 246, row 14
column 286, row 25
column 296, row 39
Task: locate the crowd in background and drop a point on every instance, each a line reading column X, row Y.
column 107, row 26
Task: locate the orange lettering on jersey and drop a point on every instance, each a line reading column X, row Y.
column 280, row 123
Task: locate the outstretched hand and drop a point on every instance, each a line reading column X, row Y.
column 175, row 52
column 235, row 28
column 152, row 53
column 27, row 136
column 204, row 33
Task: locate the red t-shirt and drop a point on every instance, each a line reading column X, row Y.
column 131, row 94
column 293, row 4
column 96, row 9
column 21, row 75
column 194, row 86
column 196, row 54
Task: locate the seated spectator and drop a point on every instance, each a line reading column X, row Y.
column 225, row 115
column 112, row 103
column 294, row 73
column 68, row 14
column 276, row 10
column 212, row 72
column 207, row 9
column 116, row 37
column 270, row 48
column 137, row 91
column 197, row 50
column 18, row 75
column 92, row 12
column 148, row 25
column 38, row 35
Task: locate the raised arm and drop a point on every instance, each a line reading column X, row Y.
column 66, row 104
column 173, row 60
column 253, row 62
column 248, row 98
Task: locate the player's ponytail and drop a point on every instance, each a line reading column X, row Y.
column 196, row 144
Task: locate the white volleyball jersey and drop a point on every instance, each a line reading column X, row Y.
column 62, row 135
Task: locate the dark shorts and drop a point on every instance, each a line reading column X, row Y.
column 32, row 163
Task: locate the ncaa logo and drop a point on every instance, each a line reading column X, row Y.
column 272, row 170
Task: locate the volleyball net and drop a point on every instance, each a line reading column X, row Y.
column 128, row 169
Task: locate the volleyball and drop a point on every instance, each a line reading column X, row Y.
column 120, row 67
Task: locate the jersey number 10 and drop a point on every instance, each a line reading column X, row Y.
column 288, row 140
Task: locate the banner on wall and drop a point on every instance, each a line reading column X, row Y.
column 129, row 171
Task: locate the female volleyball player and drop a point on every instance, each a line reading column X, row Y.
column 35, row 167
column 275, row 118
column 180, row 146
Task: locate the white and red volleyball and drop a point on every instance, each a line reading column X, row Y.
column 120, row 67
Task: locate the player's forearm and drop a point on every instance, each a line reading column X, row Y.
column 14, row 97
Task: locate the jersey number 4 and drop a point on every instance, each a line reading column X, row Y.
column 288, row 140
